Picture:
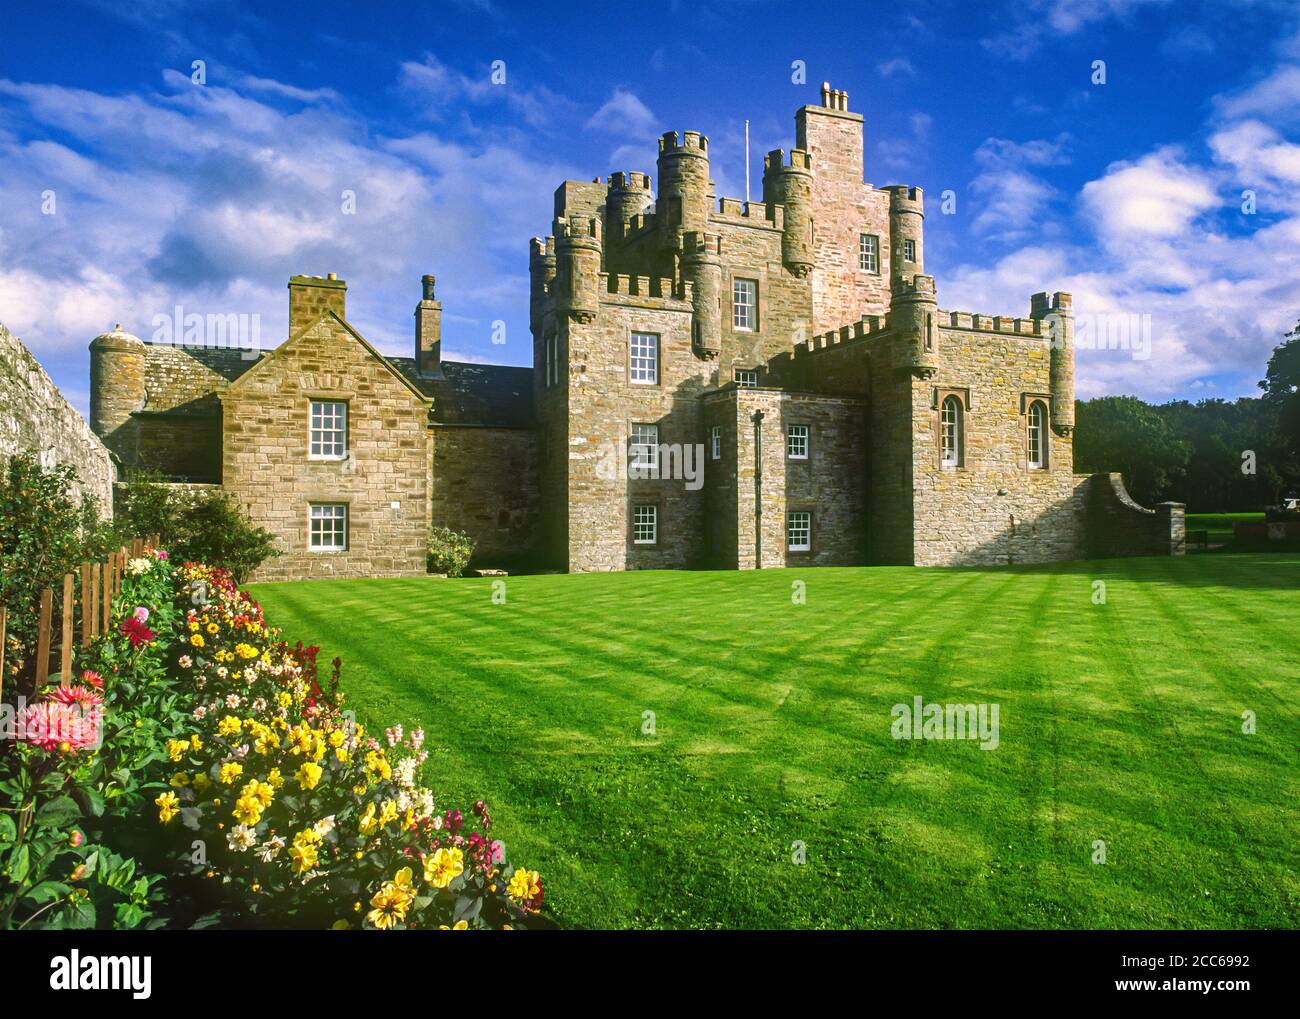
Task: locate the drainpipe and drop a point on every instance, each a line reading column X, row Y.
column 758, row 489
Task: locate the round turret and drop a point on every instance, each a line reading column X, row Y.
column 790, row 185
column 628, row 197
column 685, row 191
column 577, row 264
column 906, row 234
column 1057, row 314
column 702, row 265
column 117, row 368
column 913, row 313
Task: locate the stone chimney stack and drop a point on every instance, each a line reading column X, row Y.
column 428, row 331
column 310, row 297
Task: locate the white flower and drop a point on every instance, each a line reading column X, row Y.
column 250, row 675
column 424, row 803
column 232, row 700
column 186, row 661
column 200, row 713
column 324, row 826
column 270, row 849
column 404, row 773
column 222, row 672
column 136, row 567
column 259, row 705
column 241, row 838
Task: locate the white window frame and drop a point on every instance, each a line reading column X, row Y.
column 327, row 427
column 950, row 432
column 797, row 442
column 643, row 359
column 645, row 524
column 643, row 448
column 1036, row 435
column 715, row 442
column 746, row 378
column 869, row 253
column 744, row 304
column 335, row 514
column 909, row 251
column 798, row 522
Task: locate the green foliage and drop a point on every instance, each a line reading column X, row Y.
column 449, row 551
column 44, row 533
column 1194, row 453
column 202, row 525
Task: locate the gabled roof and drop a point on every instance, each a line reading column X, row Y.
column 482, row 395
column 294, row 339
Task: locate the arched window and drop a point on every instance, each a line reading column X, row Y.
column 1037, row 435
column 950, row 431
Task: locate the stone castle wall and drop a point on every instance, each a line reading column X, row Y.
column 35, row 418
column 483, row 481
column 384, row 480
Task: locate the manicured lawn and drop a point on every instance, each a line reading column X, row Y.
column 1120, row 722
column 1220, row 524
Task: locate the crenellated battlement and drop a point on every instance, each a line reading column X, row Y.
column 737, row 210
column 692, row 143
column 658, row 287
column 868, row 327
column 969, row 322
column 799, row 161
column 629, row 180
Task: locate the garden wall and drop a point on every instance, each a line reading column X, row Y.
column 1118, row 526
column 35, row 418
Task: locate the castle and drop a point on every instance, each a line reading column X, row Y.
column 716, row 383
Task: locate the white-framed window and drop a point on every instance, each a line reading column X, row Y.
column 796, row 442
column 328, row 531
column 950, row 432
column 645, row 524
column 798, row 531
column 329, row 430
column 1037, row 434
column 869, row 253
column 644, row 366
column 747, row 378
column 715, row 442
column 909, row 251
column 744, row 304
column 644, row 447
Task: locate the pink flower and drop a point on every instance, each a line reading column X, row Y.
column 160, row 553
column 136, row 631
column 79, row 696
column 53, row 725
column 142, row 614
column 93, row 678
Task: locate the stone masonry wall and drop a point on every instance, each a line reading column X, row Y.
column 603, row 406
column 384, row 480
column 993, row 508
column 829, row 484
column 35, row 417
column 844, row 207
column 1118, row 526
column 483, row 481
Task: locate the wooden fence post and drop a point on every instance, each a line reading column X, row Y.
column 107, row 596
column 96, row 585
column 43, row 638
column 86, row 616
column 65, row 646
column 4, row 624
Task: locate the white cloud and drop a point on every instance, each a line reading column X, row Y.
column 896, row 66
column 1011, row 199
column 1157, row 196
column 625, row 114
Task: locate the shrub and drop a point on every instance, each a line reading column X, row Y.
column 204, row 525
column 44, row 533
column 449, row 551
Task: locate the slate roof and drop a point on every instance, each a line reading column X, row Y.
column 490, row 395
column 486, row 395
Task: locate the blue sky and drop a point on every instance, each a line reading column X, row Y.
column 167, row 192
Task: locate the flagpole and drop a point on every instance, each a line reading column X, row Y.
column 746, row 162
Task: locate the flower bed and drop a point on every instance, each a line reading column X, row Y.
column 278, row 808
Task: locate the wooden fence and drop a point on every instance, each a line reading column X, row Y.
column 99, row 584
